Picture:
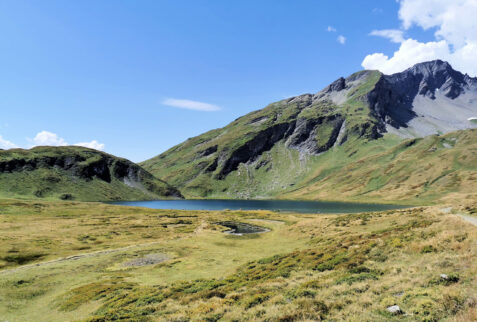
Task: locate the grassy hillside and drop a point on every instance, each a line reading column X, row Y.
column 86, row 261
column 76, row 173
column 387, row 169
column 307, row 123
column 331, row 145
column 431, row 169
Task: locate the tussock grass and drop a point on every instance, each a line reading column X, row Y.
column 332, row 267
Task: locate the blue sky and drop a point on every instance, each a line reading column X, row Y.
column 121, row 72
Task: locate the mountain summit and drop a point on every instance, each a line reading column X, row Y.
column 283, row 142
column 425, row 99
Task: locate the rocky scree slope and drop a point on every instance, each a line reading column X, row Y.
column 76, row 173
column 287, row 135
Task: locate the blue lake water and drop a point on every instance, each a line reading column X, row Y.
column 273, row 205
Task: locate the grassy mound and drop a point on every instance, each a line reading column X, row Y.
column 76, row 173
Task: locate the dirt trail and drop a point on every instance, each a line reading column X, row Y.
column 470, row 219
column 76, row 257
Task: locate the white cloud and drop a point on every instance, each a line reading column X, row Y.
column 52, row 139
column 411, row 52
column 191, row 105
column 341, row 39
column 331, row 29
column 92, row 145
column 5, row 144
column 392, row 34
column 48, row 138
column 455, row 36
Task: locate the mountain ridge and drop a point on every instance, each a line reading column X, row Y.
column 77, row 173
column 365, row 106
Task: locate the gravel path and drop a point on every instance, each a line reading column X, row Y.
column 470, row 219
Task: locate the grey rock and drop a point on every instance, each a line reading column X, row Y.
column 337, row 85
column 394, row 309
column 428, row 98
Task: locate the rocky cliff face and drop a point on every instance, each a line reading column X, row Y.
column 76, row 164
column 426, row 99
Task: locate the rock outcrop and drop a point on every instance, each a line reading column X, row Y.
column 429, row 98
column 77, row 164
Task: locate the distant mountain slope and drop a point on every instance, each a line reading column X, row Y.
column 77, row 173
column 418, row 170
column 264, row 153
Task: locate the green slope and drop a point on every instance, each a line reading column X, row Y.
column 76, row 173
column 417, row 171
column 330, row 145
column 305, row 124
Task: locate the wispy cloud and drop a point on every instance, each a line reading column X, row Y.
column 377, row 11
column 5, row 144
column 331, row 29
column 190, row 105
column 394, row 35
column 341, row 39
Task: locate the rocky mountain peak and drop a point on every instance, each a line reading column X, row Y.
column 428, row 77
column 337, row 85
column 428, row 98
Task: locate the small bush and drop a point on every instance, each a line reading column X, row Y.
column 255, row 300
column 21, row 259
column 428, row 249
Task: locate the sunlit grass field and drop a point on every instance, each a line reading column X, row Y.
column 89, row 261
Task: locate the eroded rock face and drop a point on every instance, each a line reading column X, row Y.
column 426, row 99
column 255, row 146
column 208, row 151
column 394, row 100
column 337, row 85
column 306, row 139
column 83, row 164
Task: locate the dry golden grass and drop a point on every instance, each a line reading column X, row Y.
column 309, row 267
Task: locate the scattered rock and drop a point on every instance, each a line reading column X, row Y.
column 240, row 228
column 394, row 309
column 149, row 259
column 398, row 294
column 449, row 279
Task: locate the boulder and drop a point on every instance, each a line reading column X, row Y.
column 394, row 309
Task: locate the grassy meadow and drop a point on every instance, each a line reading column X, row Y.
column 73, row 261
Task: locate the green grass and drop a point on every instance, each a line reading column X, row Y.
column 309, row 267
column 66, row 173
column 182, row 165
column 365, row 168
column 388, row 169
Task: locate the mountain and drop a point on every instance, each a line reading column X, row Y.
column 292, row 144
column 76, row 173
column 426, row 99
